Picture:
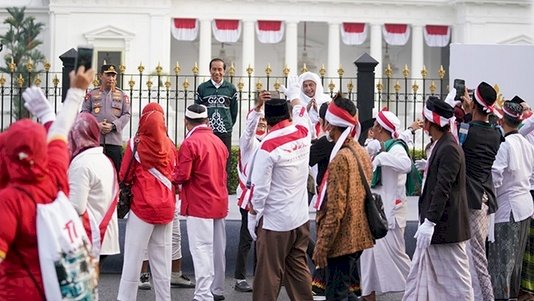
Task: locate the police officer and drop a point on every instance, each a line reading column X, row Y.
column 111, row 107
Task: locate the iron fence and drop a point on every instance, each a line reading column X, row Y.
column 404, row 96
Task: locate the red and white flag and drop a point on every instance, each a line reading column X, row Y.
column 226, row 31
column 437, row 35
column 185, row 29
column 396, row 34
column 353, row 33
column 269, row 32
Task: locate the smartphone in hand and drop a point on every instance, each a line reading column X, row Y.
column 84, row 57
column 459, row 85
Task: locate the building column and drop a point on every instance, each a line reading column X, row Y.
column 292, row 47
column 376, row 48
column 417, row 52
column 204, row 48
column 333, row 49
column 247, row 55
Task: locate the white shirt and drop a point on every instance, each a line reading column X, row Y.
column 248, row 145
column 527, row 130
column 395, row 164
column 91, row 176
column 512, row 172
column 280, row 175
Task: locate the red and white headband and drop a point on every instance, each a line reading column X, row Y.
column 435, row 117
column 487, row 108
column 389, row 121
column 511, row 114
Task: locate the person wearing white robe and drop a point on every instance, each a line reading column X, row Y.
column 384, row 268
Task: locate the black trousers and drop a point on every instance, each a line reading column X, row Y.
column 226, row 138
column 339, row 273
column 245, row 244
column 114, row 152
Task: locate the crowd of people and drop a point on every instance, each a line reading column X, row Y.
column 473, row 242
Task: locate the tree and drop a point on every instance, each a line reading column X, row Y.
column 21, row 42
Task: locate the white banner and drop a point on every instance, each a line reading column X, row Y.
column 185, row 29
column 269, row 32
column 226, row 31
column 353, row 33
column 396, row 34
column 437, row 35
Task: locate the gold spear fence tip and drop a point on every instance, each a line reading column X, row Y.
column 159, row 69
column 131, row 82
column 250, row 70
column 141, row 68
column 322, row 71
column 37, row 81
column 240, row 85
column 96, row 82
column 304, row 68
column 397, row 87
column 47, row 65
column 415, row 87
column 20, row 81
column 268, row 70
column 29, row 65
column 331, row 86
column 286, row 70
column 177, row 68
column 350, row 86
column 340, row 71
column 259, row 86
column 195, row 69
column 2, row 80
column 406, row 71
column 379, row 86
column 149, row 83
column 168, row 84
column 185, row 84
column 441, row 72
column 277, row 85
column 388, row 71
column 433, row 87
column 122, row 68
column 231, row 71
column 12, row 65
column 424, row 72
column 55, row 81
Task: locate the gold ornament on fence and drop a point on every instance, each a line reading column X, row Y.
column 37, row 81
column 286, row 70
column 424, row 72
column 29, row 65
column 322, row 71
column 441, row 72
column 304, row 68
column 195, row 69
column 186, row 84
column 350, row 86
column 415, row 87
column 379, row 87
column 2, row 81
column 149, row 83
column 406, row 71
column 259, row 86
column 277, row 85
column 47, row 65
column 122, row 68
column 141, row 68
column 397, row 87
column 55, row 81
column 331, row 86
column 268, row 70
column 12, row 65
column 20, row 81
column 168, row 84
column 388, row 71
column 96, row 82
column 433, row 87
column 250, row 70
column 131, row 83
column 177, row 69
column 159, row 69
column 340, row 71
column 240, row 85
column 231, row 71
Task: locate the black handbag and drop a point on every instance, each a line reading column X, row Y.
column 125, row 194
column 374, row 207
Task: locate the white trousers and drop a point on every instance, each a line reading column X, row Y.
column 207, row 243
column 156, row 239
column 176, row 236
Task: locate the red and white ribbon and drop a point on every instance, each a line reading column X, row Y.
column 396, row 34
column 353, row 33
column 435, row 117
column 269, row 32
column 185, row 29
column 389, row 121
column 437, row 35
column 226, row 31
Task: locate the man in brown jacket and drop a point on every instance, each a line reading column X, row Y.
column 342, row 229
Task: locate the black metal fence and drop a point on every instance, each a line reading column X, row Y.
column 404, row 96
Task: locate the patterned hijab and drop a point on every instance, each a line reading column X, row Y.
column 84, row 134
column 155, row 147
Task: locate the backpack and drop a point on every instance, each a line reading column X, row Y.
column 414, row 179
column 68, row 267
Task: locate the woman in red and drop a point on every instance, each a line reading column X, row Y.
column 149, row 224
column 36, row 166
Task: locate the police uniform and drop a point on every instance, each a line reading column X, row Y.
column 112, row 106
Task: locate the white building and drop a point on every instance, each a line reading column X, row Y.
column 131, row 32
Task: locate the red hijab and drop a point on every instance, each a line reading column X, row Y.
column 26, row 157
column 155, row 148
column 84, row 134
